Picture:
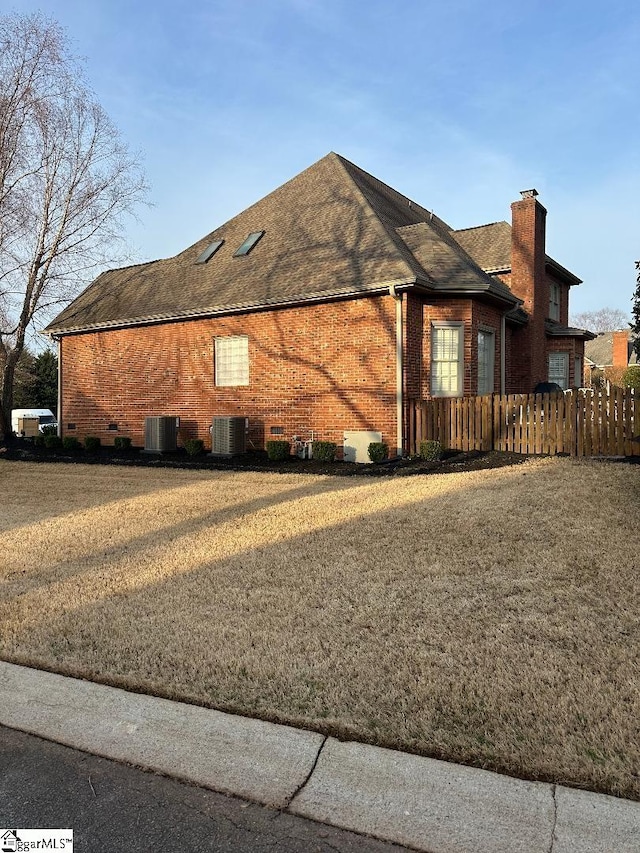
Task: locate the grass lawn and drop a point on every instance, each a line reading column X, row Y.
column 487, row 617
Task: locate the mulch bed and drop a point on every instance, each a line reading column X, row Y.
column 452, row 461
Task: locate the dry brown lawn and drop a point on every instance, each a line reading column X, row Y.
column 489, row 617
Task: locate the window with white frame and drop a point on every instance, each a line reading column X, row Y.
column 447, row 359
column 231, row 360
column 554, row 301
column 486, row 360
column 559, row 369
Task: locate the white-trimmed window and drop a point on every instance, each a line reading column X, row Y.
column 559, row 369
column 554, row 301
column 486, row 360
column 231, row 360
column 447, row 359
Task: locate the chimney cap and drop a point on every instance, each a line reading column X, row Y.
column 528, row 193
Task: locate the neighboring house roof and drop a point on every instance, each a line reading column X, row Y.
column 599, row 351
column 332, row 231
column 490, row 247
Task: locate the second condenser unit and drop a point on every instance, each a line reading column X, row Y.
column 229, row 436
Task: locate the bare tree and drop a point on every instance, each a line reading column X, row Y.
column 602, row 320
column 67, row 183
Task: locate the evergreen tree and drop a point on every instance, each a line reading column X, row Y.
column 45, row 385
column 24, row 380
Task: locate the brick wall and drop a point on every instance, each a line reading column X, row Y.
column 453, row 310
column 414, row 364
column 324, row 368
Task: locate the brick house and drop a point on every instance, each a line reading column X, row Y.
column 610, row 352
column 323, row 307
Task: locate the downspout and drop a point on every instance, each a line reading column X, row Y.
column 399, row 371
column 58, row 341
column 503, row 354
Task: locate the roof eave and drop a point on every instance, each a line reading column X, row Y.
column 562, row 272
column 554, row 331
column 241, row 308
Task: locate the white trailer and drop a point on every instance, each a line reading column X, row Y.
column 45, row 418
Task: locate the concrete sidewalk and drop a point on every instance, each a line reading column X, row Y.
column 430, row 805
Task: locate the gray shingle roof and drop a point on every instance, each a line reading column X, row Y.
column 490, row 247
column 332, row 230
column 600, row 350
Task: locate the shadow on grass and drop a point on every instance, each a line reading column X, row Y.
column 448, row 623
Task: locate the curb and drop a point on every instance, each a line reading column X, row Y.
column 430, row 805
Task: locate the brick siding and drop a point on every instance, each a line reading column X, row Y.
column 325, row 368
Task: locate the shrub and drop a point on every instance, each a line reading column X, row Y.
column 122, row 442
column 194, row 446
column 70, row 443
column 92, row 443
column 378, row 451
column 278, row 450
column 631, row 377
column 38, row 440
column 323, row 451
column 52, row 441
column 49, row 429
column 430, row 450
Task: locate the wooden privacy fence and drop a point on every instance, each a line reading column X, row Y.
column 580, row 423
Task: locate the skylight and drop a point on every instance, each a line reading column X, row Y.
column 248, row 244
column 209, row 252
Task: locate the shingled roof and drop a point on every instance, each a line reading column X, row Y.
column 333, row 230
column 599, row 351
column 490, row 247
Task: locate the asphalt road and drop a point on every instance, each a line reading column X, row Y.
column 113, row 807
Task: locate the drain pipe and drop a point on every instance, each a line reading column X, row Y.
column 503, row 354
column 399, row 370
column 59, row 412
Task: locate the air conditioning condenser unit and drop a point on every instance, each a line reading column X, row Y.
column 229, row 436
column 161, row 434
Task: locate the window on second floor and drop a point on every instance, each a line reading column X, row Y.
column 554, row 301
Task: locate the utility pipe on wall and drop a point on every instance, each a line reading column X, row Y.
column 503, row 354
column 59, row 412
column 399, row 371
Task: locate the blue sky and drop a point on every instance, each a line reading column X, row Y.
column 459, row 105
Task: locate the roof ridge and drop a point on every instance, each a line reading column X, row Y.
column 486, row 225
column 379, row 224
column 413, row 205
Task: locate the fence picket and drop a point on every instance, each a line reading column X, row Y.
column 579, row 423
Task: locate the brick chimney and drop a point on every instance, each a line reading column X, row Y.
column 620, row 355
column 528, row 279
